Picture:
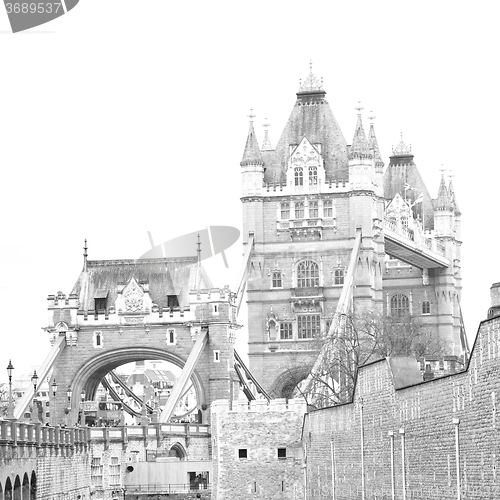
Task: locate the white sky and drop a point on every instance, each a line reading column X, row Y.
column 122, row 117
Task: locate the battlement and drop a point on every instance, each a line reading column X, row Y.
column 212, row 295
column 279, row 405
column 282, row 189
column 155, row 316
column 61, row 301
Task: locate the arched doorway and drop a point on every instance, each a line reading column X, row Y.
column 8, row 490
column 178, row 451
column 33, row 486
column 17, row 489
column 26, row 486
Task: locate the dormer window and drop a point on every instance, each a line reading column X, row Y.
column 100, row 300
column 172, row 301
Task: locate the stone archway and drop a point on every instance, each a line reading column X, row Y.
column 90, row 374
column 17, row 489
column 285, row 383
column 26, row 486
column 33, row 486
column 8, row 489
column 177, row 450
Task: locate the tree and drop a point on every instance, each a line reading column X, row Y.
column 355, row 340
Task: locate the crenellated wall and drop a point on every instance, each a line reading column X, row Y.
column 348, row 447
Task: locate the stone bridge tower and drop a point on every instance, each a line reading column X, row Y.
column 121, row 311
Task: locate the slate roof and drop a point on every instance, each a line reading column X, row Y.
column 313, row 118
column 172, row 276
column 252, row 154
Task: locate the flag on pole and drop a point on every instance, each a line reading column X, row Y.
column 420, row 199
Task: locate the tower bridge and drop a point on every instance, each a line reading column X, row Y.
column 321, row 244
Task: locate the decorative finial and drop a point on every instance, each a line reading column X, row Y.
column 359, row 108
column 85, row 256
column 401, row 148
column 266, row 144
column 311, row 83
column 199, row 248
column 371, row 117
column 251, row 115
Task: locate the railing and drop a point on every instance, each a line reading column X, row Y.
column 23, row 433
column 167, row 488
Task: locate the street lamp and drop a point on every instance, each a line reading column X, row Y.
column 34, row 413
column 10, row 407
column 82, row 414
column 54, row 390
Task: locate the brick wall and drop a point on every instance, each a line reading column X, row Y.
column 353, row 440
column 260, row 429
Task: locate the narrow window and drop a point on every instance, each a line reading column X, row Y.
column 285, row 331
column 313, row 175
column 282, row 453
column 171, row 336
column 282, row 485
column 426, row 307
column 285, row 211
column 216, row 309
column 299, row 176
column 313, row 210
column 242, row 453
column 299, row 210
column 339, row 276
column 254, row 487
column 217, row 356
column 277, row 280
column 327, row 208
column 97, row 339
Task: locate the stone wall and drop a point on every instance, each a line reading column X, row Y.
column 246, row 440
column 350, row 447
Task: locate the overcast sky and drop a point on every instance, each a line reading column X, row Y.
column 124, row 117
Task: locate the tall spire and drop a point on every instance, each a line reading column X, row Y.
column 251, row 154
column 266, row 144
column 443, row 198
column 85, row 257
column 372, row 140
column 360, row 145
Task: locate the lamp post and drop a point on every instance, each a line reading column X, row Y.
column 34, row 413
column 82, row 412
column 10, row 407
column 69, row 392
column 54, row 390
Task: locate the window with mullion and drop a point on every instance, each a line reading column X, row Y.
column 307, row 274
column 308, row 326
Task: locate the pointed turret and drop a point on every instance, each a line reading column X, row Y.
column 251, row 155
column 360, row 147
column 443, row 201
column 453, row 198
column 266, row 144
column 373, row 143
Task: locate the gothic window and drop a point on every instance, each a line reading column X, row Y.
column 285, row 331
column 114, row 472
column 327, row 208
column 307, row 274
column 308, row 326
column 404, row 222
column 426, row 307
column 171, row 336
column 277, row 280
column 285, row 211
column 299, row 176
column 313, row 209
column 299, row 210
column 400, row 305
column 313, row 175
column 339, row 277
column 96, row 472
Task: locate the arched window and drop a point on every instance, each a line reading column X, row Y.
column 307, row 274
column 400, row 305
column 313, row 209
column 285, row 211
column 327, row 208
column 313, row 175
column 308, row 326
column 277, row 280
column 299, row 210
column 299, row 176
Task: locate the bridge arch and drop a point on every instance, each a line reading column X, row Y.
column 285, row 383
column 17, row 489
column 90, row 374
